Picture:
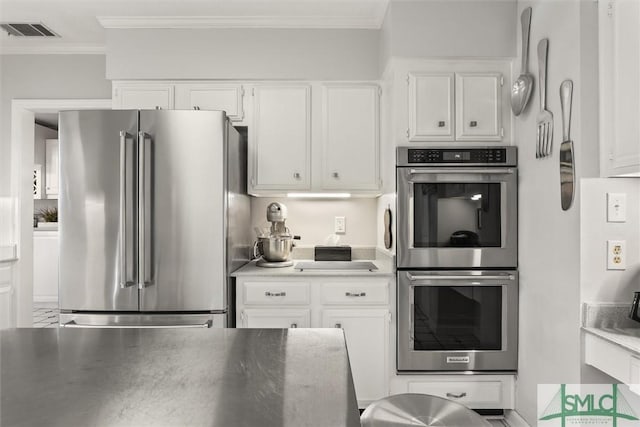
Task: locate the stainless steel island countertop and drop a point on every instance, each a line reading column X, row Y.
column 171, row 377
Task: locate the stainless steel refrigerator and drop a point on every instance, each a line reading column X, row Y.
column 154, row 217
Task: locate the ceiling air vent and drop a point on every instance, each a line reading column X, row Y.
column 27, row 30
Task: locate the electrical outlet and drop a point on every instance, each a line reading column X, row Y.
column 616, row 207
column 340, row 225
column 616, row 254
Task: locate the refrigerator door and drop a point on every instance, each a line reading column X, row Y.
column 182, row 209
column 97, row 208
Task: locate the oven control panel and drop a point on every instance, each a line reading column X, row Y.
column 500, row 156
column 479, row 155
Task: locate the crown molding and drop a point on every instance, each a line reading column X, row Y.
column 291, row 22
column 44, row 48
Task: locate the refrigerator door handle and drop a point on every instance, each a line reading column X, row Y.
column 125, row 280
column 144, row 184
column 73, row 324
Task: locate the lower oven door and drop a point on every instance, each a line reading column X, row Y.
column 457, row 321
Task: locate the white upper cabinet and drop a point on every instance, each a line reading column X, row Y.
column 478, row 107
column 431, row 106
column 52, row 167
column 201, row 96
column 455, row 101
column 619, row 39
column 133, row 96
column 280, row 138
column 350, row 136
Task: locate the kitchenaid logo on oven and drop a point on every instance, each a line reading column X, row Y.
column 458, row 359
column 588, row 404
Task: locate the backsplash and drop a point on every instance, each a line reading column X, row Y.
column 313, row 220
column 597, row 283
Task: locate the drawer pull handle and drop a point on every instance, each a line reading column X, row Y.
column 294, row 325
column 355, row 294
column 338, row 325
column 275, row 294
column 473, row 124
column 456, row 395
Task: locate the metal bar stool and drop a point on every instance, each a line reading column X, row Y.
column 413, row 409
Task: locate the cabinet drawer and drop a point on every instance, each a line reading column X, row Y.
column 356, row 292
column 275, row 318
column 276, row 293
column 474, row 394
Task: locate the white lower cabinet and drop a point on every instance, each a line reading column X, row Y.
column 45, row 266
column 612, row 359
column 6, row 294
column 474, row 391
column 358, row 306
column 367, row 333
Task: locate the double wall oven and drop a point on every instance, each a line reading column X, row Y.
column 457, row 259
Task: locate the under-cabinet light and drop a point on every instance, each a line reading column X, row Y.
column 319, row 195
column 476, row 197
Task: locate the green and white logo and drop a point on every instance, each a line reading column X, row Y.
column 587, row 405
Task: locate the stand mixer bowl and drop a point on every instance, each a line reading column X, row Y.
column 276, row 248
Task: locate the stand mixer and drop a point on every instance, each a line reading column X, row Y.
column 275, row 248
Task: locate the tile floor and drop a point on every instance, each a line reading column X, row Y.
column 45, row 316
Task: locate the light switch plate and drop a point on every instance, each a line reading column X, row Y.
column 616, row 207
column 340, row 225
column 616, row 254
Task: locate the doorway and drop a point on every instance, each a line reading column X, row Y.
column 23, row 121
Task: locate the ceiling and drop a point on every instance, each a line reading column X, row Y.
column 81, row 24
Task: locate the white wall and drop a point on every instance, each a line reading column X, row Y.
column 313, row 220
column 242, row 54
column 448, row 28
column 599, row 285
column 549, row 238
column 42, row 77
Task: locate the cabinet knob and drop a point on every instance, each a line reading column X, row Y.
column 441, row 123
column 335, row 175
column 195, row 107
column 296, row 175
column 338, row 325
column 473, row 124
column 294, row 325
column 158, row 107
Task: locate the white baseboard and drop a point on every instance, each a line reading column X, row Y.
column 514, row 419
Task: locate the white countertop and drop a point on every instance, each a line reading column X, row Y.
column 385, row 268
column 627, row 338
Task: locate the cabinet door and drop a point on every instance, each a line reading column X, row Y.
column 280, row 143
column 223, row 97
column 52, row 167
column 350, row 130
column 431, row 107
column 367, row 335
column 6, row 294
column 143, row 97
column 479, row 107
column 45, row 266
column 619, row 27
column 275, row 318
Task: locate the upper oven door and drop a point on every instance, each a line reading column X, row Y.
column 457, row 217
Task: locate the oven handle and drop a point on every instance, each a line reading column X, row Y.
column 492, row 171
column 460, row 277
